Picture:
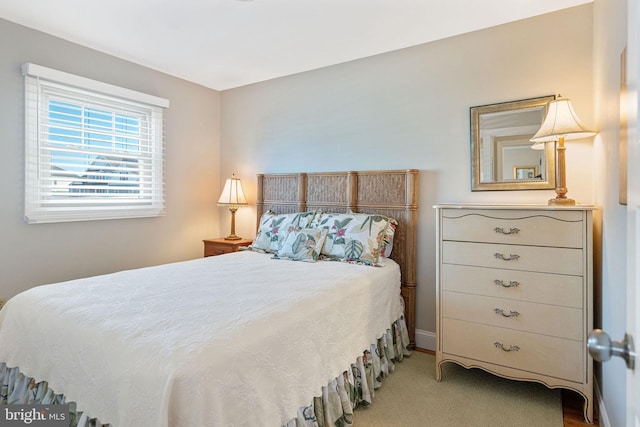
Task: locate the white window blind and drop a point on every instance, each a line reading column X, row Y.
column 93, row 150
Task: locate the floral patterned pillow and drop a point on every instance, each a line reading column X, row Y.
column 387, row 242
column 302, row 245
column 273, row 229
column 355, row 237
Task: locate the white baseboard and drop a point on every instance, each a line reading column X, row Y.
column 426, row 340
column 603, row 418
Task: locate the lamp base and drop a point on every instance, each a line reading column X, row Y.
column 558, row 201
column 232, row 235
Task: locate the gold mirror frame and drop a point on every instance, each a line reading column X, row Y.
column 548, row 177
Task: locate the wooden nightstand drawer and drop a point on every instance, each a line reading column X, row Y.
column 213, row 247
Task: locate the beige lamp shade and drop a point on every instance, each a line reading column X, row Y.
column 233, row 197
column 561, row 121
column 232, row 194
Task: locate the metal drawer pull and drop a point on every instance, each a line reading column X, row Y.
column 512, row 283
column 501, row 347
column 512, row 257
column 511, row 313
column 500, row 230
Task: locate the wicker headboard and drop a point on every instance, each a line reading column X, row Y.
column 393, row 193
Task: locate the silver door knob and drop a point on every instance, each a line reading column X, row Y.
column 602, row 347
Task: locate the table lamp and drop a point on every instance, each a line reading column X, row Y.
column 233, row 197
column 560, row 123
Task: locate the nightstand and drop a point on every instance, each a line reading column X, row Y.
column 221, row 246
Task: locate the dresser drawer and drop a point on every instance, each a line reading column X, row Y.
column 513, row 257
column 522, row 227
column 546, row 288
column 554, row 320
column 545, row 355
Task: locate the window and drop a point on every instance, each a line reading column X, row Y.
column 93, row 150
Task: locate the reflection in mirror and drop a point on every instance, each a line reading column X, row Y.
column 503, row 158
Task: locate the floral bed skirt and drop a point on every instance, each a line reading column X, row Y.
column 334, row 407
column 356, row 386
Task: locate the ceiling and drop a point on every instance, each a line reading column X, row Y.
column 222, row 44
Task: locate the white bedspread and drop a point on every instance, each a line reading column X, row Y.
column 233, row 340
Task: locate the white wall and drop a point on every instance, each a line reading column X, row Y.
column 410, row 109
column 610, row 37
column 45, row 253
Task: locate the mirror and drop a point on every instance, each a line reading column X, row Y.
column 503, row 158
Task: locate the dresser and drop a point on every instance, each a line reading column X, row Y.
column 514, row 293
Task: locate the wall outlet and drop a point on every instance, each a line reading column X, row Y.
column 2, row 302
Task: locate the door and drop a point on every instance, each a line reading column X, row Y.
column 600, row 346
column 633, row 219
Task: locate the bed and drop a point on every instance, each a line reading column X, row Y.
column 237, row 339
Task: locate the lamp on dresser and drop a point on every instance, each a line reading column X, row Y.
column 233, row 197
column 560, row 123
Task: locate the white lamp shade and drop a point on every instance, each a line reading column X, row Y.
column 232, row 194
column 561, row 121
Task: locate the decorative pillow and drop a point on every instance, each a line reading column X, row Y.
column 302, row 245
column 322, row 216
column 387, row 241
column 355, row 237
column 274, row 228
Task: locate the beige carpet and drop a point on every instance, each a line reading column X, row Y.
column 410, row 397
